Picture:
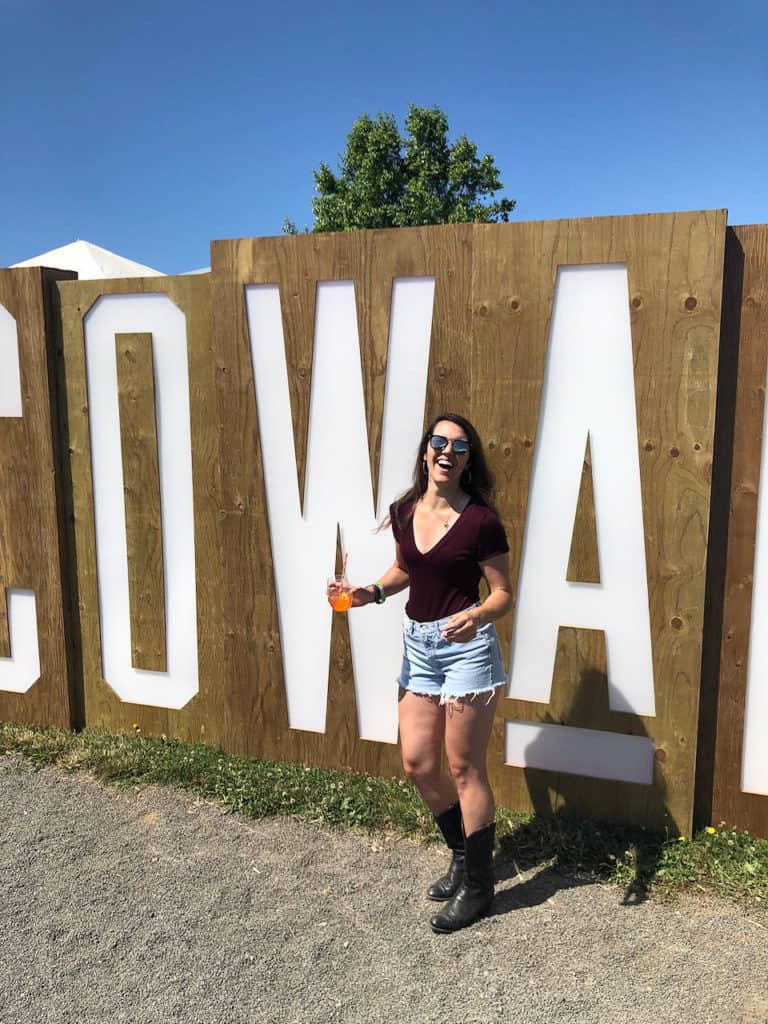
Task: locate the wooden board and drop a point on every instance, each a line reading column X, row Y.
column 502, row 319
column 584, row 559
column 372, row 260
column 202, row 718
column 494, row 287
column 674, row 263
column 141, row 485
column 747, row 311
column 34, row 538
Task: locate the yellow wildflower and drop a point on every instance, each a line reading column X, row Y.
column 709, row 830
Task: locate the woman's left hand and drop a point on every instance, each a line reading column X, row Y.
column 460, row 629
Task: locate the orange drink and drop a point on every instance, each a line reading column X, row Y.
column 340, row 602
column 338, row 593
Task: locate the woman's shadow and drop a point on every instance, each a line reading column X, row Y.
column 563, row 846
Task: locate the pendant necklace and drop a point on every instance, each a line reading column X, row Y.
column 450, row 520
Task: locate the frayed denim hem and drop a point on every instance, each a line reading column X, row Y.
column 450, row 698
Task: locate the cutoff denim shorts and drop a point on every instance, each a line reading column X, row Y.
column 434, row 667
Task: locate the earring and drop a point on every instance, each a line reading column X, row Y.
column 424, row 466
column 467, row 475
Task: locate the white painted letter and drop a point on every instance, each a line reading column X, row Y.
column 588, row 390
column 10, row 378
column 22, row 670
column 338, row 490
column 157, row 315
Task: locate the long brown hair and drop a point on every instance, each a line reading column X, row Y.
column 476, row 480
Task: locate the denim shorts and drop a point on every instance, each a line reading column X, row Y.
column 434, row 667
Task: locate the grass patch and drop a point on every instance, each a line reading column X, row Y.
column 716, row 860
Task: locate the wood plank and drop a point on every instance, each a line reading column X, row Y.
column 204, row 717
column 63, row 487
column 30, row 500
column 584, row 559
column 747, row 295
column 514, row 268
column 372, row 261
column 722, row 465
column 674, row 264
column 141, row 487
column 5, row 635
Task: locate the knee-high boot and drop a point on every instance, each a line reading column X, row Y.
column 449, row 823
column 474, row 896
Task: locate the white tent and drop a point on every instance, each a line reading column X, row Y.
column 91, row 262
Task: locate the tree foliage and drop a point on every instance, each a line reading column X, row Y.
column 388, row 180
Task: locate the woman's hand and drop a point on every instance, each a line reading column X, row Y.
column 394, row 580
column 362, row 596
column 460, row 628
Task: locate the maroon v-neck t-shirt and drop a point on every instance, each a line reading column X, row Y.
column 446, row 579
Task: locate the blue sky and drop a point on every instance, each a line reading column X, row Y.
column 151, row 128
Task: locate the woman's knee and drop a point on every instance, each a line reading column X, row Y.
column 420, row 768
column 465, row 773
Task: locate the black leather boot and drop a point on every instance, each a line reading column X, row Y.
column 475, row 894
column 449, row 823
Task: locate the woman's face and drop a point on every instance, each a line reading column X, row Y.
column 446, row 465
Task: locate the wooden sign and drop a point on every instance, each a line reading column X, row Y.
column 232, row 434
column 739, row 783
column 38, row 607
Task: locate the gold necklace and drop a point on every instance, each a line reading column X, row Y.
column 447, row 523
column 450, row 520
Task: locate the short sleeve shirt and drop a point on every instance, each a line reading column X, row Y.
column 446, row 579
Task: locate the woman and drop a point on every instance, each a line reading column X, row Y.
column 448, row 536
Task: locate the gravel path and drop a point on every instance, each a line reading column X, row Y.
column 146, row 905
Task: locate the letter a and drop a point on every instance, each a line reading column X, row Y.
column 588, row 391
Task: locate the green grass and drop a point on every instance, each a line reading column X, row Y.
column 720, row 861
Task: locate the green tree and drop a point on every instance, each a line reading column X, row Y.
column 387, row 180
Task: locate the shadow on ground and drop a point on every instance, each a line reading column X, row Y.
column 570, row 853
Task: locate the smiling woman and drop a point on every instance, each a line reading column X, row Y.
column 447, row 538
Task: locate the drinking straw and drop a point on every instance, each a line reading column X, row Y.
column 344, row 566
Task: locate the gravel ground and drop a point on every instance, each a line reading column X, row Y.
column 147, row 905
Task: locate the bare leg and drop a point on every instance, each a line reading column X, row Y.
column 468, row 727
column 422, row 726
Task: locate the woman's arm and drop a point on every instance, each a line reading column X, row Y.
column 393, row 581
column 463, row 626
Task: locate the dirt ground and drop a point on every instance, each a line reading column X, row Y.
column 147, row 905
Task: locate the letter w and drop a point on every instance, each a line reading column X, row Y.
column 338, row 489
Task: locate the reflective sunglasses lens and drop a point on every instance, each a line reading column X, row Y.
column 461, row 447
column 438, row 442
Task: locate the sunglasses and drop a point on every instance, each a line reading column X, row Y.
column 440, row 443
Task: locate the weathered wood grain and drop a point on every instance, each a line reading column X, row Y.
column 141, row 487
column 5, row 636
column 33, row 552
column 584, row 559
column 201, row 718
column 494, row 287
column 748, row 322
column 372, row 261
column 674, row 264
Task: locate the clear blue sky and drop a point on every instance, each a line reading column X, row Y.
column 151, row 128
